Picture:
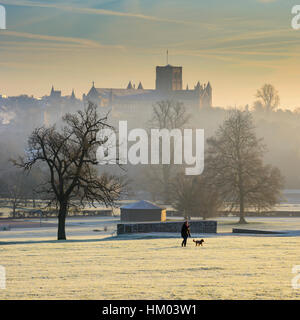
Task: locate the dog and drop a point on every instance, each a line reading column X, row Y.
column 198, row 242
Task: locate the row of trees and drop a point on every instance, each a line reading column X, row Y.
column 234, row 172
column 234, row 175
column 17, row 188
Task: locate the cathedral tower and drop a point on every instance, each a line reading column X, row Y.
column 168, row 78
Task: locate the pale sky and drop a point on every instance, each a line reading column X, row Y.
column 236, row 45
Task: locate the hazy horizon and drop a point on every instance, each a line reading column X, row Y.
column 236, row 46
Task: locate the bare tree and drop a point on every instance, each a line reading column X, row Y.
column 268, row 98
column 70, row 156
column 169, row 115
column 16, row 190
column 18, row 186
column 194, row 197
column 235, row 166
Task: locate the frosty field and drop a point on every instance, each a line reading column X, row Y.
column 101, row 267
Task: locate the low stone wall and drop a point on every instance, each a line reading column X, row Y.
column 255, row 231
column 173, row 227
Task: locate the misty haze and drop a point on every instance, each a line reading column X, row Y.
column 149, row 151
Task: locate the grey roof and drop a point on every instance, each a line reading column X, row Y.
column 121, row 92
column 141, row 205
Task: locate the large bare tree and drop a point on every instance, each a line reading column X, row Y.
column 69, row 155
column 234, row 162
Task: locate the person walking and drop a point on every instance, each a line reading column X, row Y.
column 185, row 233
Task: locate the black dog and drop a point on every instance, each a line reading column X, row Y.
column 198, row 242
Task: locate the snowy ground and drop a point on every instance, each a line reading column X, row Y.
column 97, row 265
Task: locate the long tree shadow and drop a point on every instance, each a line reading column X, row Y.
column 47, row 241
column 109, row 238
column 144, row 237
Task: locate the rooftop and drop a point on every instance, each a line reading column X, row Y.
column 141, row 205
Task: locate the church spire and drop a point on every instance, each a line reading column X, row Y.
column 140, row 87
column 129, row 86
column 208, row 88
column 52, row 91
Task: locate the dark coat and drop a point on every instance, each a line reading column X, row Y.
column 185, row 231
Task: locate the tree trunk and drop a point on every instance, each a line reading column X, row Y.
column 242, row 210
column 241, row 192
column 166, row 180
column 61, row 235
column 14, row 209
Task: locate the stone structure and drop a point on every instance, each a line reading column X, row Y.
column 139, row 100
column 168, row 227
column 55, row 106
column 142, row 211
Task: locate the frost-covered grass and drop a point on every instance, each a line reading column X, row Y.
column 231, row 267
column 259, row 223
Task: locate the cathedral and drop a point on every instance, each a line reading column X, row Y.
column 168, row 87
column 130, row 103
